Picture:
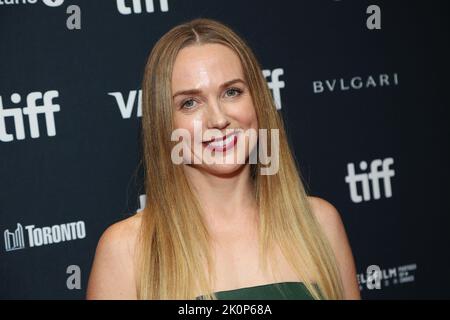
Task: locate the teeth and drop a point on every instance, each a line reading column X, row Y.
column 221, row 143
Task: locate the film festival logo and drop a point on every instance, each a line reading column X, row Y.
column 15, row 240
column 126, row 7
column 376, row 277
column 370, row 182
column 275, row 84
column 36, row 103
column 132, row 100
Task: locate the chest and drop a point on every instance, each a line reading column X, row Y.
column 237, row 265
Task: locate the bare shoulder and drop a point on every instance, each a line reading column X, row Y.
column 123, row 233
column 331, row 223
column 329, row 219
column 112, row 273
column 326, row 213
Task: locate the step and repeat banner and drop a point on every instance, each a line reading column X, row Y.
column 362, row 86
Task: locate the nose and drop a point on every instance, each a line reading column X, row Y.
column 216, row 117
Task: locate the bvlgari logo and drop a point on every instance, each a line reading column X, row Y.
column 355, row 83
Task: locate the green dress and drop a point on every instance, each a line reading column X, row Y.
column 272, row 291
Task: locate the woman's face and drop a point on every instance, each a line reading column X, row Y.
column 209, row 90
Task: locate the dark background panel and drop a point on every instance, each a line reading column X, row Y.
column 90, row 170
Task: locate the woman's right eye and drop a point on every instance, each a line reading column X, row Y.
column 186, row 105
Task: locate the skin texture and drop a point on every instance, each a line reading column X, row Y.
column 205, row 68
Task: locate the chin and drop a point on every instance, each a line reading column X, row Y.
column 224, row 169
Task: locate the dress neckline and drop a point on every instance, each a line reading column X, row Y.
column 262, row 285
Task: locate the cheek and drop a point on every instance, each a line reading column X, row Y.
column 181, row 121
column 246, row 116
column 187, row 122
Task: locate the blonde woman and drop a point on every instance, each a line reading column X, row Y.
column 219, row 230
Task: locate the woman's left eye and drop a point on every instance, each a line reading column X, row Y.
column 236, row 90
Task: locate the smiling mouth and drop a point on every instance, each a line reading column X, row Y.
column 223, row 143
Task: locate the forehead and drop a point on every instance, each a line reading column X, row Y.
column 205, row 65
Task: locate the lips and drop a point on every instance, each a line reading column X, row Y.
column 220, row 139
column 223, row 143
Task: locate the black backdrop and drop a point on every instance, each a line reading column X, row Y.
column 372, row 100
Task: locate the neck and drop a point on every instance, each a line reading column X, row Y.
column 227, row 200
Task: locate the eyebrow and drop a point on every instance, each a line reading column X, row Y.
column 196, row 91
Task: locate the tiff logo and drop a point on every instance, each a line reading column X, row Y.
column 14, row 240
column 275, row 84
column 45, row 106
column 374, row 176
column 136, row 6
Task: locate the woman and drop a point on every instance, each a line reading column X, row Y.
column 219, row 230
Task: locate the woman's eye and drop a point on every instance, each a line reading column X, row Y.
column 235, row 90
column 188, row 104
column 232, row 92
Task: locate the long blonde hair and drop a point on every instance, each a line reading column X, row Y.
column 174, row 241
